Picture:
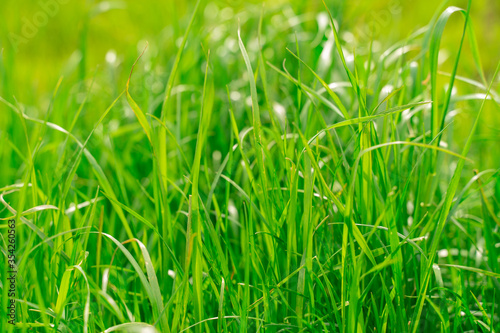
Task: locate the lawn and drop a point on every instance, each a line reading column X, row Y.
column 240, row 166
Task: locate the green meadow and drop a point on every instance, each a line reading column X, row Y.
column 241, row 166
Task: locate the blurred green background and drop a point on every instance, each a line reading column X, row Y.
column 78, row 34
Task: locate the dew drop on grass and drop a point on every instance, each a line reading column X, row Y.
column 111, row 57
column 410, row 207
column 235, row 95
column 248, row 101
column 280, row 112
column 443, row 253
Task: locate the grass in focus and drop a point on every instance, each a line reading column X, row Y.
column 257, row 168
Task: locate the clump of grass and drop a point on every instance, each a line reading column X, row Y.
column 266, row 189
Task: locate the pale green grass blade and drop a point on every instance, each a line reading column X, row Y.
column 207, row 104
column 132, row 328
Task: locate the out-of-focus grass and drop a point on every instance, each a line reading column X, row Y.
column 283, row 183
column 122, row 25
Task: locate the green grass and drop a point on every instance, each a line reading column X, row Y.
column 255, row 169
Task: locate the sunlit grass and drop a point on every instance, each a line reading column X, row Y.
column 263, row 178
